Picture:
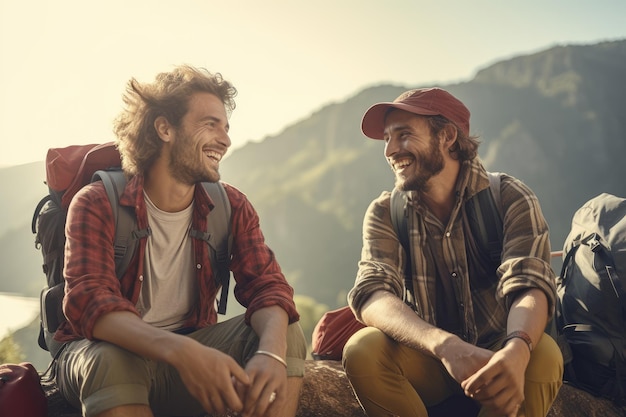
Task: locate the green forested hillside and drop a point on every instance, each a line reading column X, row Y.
column 554, row 119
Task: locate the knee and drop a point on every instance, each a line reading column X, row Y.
column 296, row 342
column 546, row 361
column 296, row 350
column 364, row 347
column 100, row 376
column 106, row 356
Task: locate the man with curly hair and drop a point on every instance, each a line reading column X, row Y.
column 149, row 343
column 470, row 330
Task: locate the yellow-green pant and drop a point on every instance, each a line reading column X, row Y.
column 391, row 379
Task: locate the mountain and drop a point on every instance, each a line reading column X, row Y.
column 21, row 188
column 554, row 119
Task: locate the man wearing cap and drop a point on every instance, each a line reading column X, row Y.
column 473, row 331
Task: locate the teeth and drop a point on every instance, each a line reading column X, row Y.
column 402, row 163
column 214, row 155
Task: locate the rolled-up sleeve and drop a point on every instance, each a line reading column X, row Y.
column 381, row 264
column 526, row 249
column 260, row 282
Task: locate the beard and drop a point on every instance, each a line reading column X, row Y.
column 188, row 164
column 429, row 163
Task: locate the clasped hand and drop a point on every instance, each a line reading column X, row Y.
column 494, row 379
column 218, row 382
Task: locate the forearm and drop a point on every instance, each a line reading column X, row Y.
column 529, row 313
column 270, row 324
column 130, row 332
column 404, row 325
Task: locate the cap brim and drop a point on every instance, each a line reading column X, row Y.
column 373, row 122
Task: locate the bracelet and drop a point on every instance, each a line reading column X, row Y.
column 271, row 355
column 519, row 335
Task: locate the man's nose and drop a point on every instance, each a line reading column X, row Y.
column 391, row 147
column 224, row 138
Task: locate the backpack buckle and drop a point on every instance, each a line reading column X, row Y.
column 594, row 243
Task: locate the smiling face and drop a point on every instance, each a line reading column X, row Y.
column 414, row 154
column 201, row 141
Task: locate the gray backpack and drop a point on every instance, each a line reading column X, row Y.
column 591, row 309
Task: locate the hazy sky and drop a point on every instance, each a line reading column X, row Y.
column 64, row 64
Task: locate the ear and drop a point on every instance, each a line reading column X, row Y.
column 163, row 128
column 448, row 136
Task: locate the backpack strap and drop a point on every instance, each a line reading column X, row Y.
column 126, row 234
column 495, row 178
column 484, row 211
column 42, row 202
column 219, row 239
column 399, row 220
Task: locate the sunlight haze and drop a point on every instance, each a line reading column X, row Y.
column 65, row 64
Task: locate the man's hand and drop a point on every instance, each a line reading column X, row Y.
column 267, row 374
column 268, row 387
column 499, row 385
column 211, row 376
column 462, row 359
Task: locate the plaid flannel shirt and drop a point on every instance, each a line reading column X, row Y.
column 92, row 288
column 482, row 299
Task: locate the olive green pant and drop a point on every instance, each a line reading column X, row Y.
column 96, row 376
column 391, row 379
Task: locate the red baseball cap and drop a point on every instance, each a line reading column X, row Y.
column 422, row 101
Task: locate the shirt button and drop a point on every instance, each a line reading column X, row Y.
column 198, row 266
column 141, row 278
column 454, row 275
column 447, row 234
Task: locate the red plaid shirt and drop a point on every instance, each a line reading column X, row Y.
column 92, row 289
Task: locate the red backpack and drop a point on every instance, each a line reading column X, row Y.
column 21, row 394
column 332, row 332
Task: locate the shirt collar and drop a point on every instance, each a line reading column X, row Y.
column 472, row 179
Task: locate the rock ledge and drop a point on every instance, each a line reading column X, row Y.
column 327, row 393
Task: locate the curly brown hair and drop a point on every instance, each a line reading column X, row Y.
column 168, row 96
column 465, row 148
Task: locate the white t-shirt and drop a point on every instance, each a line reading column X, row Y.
column 169, row 288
